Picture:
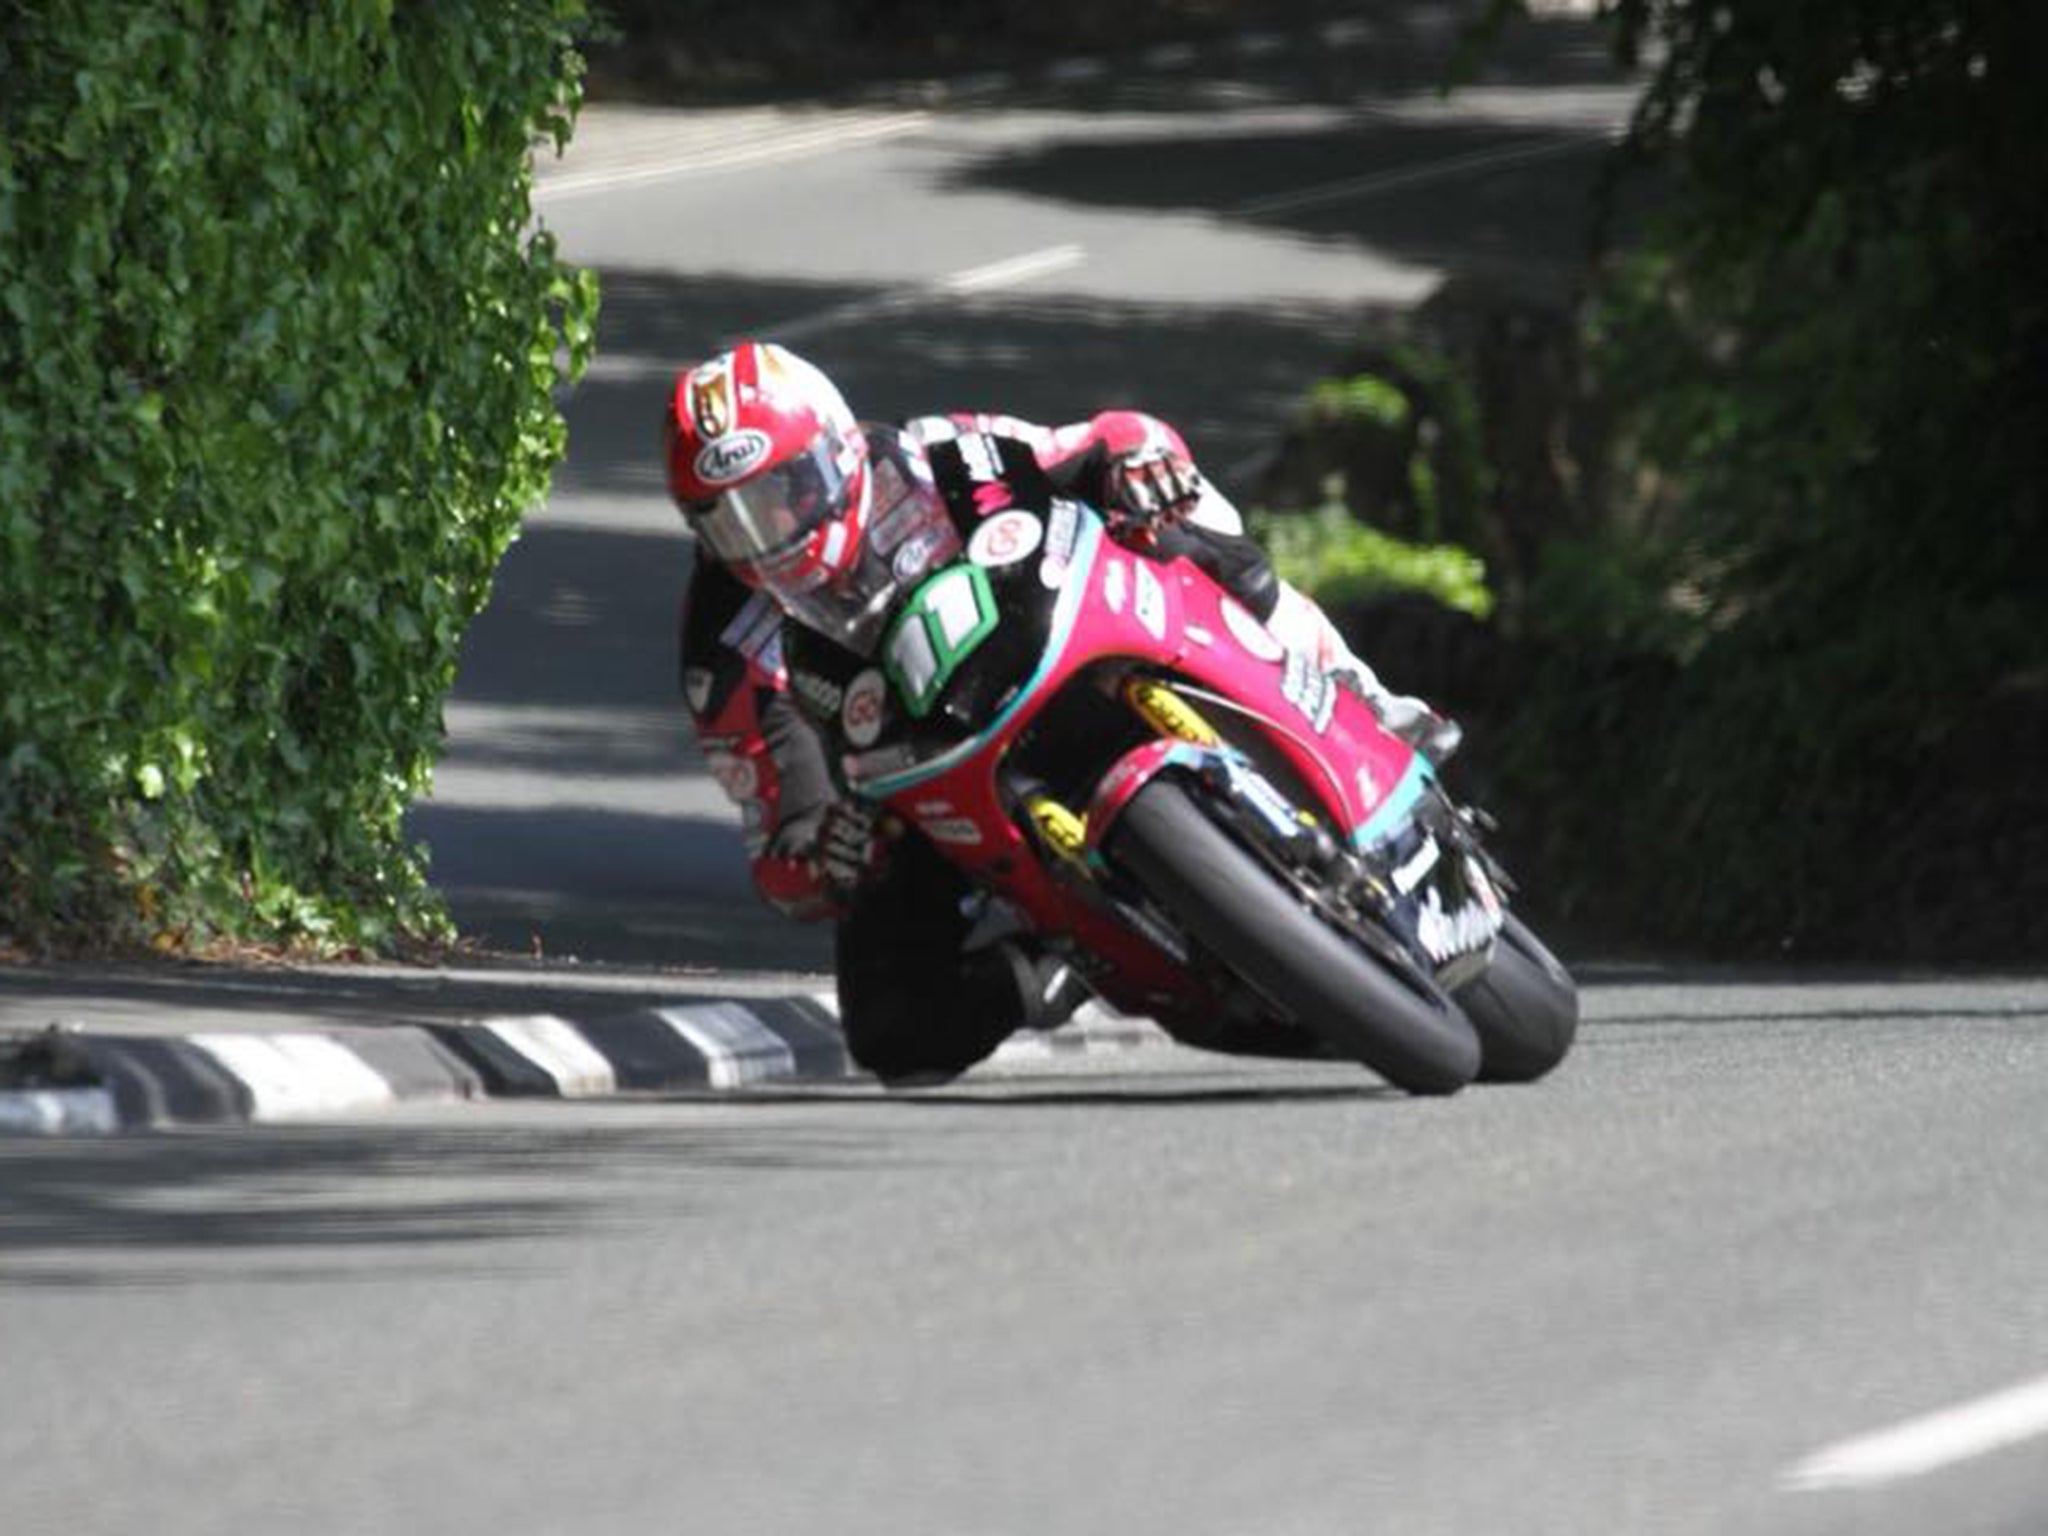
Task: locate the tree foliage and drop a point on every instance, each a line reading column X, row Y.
column 1831, row 363
column 278, row 346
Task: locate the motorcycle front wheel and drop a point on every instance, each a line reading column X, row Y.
column 1238, row 909
column 1525, row 1006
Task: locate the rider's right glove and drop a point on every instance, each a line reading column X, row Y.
column 850, row 850
column 1152, row 489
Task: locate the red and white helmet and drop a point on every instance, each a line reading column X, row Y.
column 769, row 467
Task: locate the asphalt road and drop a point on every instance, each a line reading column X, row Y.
column 1746, row 1223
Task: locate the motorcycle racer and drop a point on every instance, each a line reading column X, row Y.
column 792, row 500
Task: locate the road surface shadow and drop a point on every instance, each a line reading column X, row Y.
column 295, row 1203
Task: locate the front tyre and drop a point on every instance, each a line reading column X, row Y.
column 1234, row 906
column 1525, row 1007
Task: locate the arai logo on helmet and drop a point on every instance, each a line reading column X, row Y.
column 732, row 457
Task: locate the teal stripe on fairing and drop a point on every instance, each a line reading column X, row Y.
column 1081, row 571
column 1395, row 808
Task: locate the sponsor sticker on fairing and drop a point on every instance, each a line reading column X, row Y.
column 1250, row 633
column 1150, row 606
column 955, row 830
column 1062, row 532
column 732, row 457
column 866, row 698
column 1005, row 539
column 1309, row 689
column 1113, row 586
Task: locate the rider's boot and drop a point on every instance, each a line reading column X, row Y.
column 1047, row 989
column 1051, row 989
column 1300, row 625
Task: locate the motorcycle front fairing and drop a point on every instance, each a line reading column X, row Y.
column 994, row 655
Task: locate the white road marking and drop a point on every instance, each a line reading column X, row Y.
column 291, row 1076
column 1017, row 269
column 1256, row 45
column 1928, row 1443
column 1403, row 177
column 791, row 144
column 997, row 274
column 559, row 1049
column 1168, row 56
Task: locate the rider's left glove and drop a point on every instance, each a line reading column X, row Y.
column 1153, row 488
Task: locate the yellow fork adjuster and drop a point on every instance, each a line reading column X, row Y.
column 1167, row 712
column 1064, row 830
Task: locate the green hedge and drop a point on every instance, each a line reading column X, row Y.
column 278, row 347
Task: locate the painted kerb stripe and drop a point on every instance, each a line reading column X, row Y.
column 294, row 1076
column 558, row 1048
column 737, row 1047
column 58, row 1112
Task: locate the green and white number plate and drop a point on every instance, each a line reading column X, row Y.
column 938, row 629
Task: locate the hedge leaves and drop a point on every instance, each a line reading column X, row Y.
column 278, row 349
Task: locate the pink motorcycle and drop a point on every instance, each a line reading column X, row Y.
column 1212, row 830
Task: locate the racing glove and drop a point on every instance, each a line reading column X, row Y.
column 1152, row 489
column 850, row 849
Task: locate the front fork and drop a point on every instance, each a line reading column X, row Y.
column 1074, row 836
column 1183, row 738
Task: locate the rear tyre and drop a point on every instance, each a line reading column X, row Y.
column 1230, row 903
column 1525, row 1007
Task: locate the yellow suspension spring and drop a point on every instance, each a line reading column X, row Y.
column 1065, row 831
column 1168, row 713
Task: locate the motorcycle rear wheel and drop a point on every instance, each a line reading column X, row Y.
column 1525, row 1006
column 1227, row 900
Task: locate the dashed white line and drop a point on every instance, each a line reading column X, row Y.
column 996, row 274
column 1168, row 56
column 1402, row 177
column 788, row 145
column 1257, row 45
column 1014, row 270
column 1928, row 1443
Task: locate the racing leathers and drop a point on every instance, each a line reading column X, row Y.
column 929, row 981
